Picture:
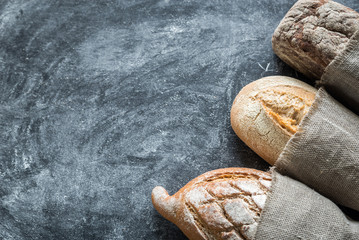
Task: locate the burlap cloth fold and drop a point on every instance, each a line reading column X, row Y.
column 295, row 211
column 341, row 77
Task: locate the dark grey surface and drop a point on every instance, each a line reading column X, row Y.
column 101, row 102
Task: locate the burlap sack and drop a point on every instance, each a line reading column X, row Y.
column 294, row 211
column 324, row 153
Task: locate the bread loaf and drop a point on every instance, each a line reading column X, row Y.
column 220, row 204
column 313, row 33
column 267, row 112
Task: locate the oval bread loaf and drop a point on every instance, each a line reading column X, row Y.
column 313, row 33
column 220, row 204
column 267, row 112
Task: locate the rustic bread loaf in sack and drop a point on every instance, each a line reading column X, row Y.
column 220, row 204
column 267, row 112
column 313, row 33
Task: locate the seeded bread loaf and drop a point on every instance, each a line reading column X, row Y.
column 221, row 204
column 267, row 112
column 313, row 33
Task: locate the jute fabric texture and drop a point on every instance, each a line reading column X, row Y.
column 341, row 77
column 295, row 211
column 324, row 153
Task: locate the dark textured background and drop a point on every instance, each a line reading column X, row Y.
column 101, row 102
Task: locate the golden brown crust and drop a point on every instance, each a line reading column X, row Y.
column 267, row 112
column 220, row 204
column 313, row 33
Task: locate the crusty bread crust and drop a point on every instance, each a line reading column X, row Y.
column 220, row 204
column 267, row 112
column 313, row 33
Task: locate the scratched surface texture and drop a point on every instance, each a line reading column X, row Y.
column 100, row 101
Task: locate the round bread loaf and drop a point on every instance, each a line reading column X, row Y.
column 221, row 204
column 267, row 112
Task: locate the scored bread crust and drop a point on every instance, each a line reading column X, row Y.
column 267, row 112
column 220, row 204
column 313, row 33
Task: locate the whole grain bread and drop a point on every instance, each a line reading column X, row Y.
column 267, row 112
column 220, row 204
column 313, row 33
